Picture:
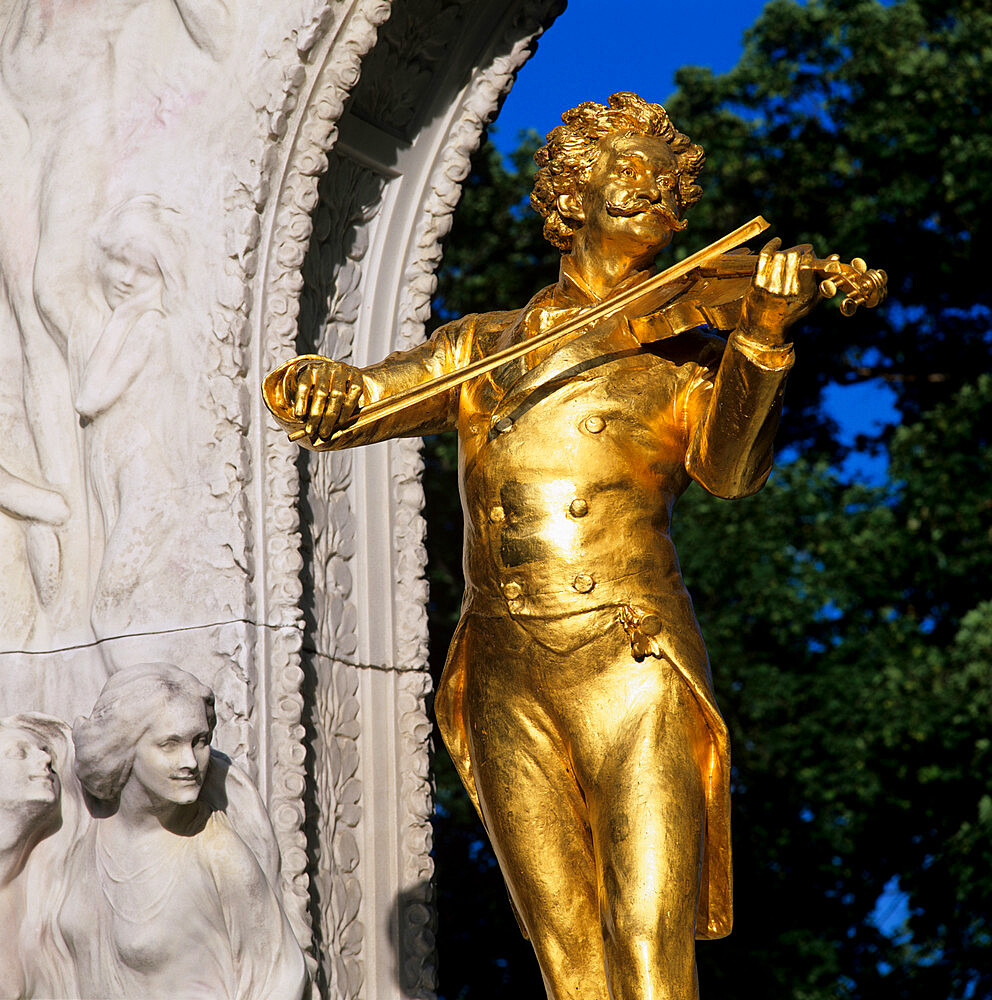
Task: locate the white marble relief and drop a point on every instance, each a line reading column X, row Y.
column 131, row 392
column 147, row 867
column 99, row 106
column 42, row 815
column 165, row 898
column 159, row 171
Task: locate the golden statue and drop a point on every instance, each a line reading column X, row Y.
column 576, row 701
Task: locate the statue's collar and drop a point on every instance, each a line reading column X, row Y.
column 572, row 289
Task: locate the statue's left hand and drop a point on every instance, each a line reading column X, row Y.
column 784, row 290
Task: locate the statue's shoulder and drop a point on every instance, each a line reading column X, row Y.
column 481, row 324
column 485, row 328
column 498, row 320
column 237, row 811
column 224, row 852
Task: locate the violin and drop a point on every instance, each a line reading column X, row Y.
column 715, row 295
column 706, row 288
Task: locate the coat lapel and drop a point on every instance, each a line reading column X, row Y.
column 579, row 359
column 521, row 383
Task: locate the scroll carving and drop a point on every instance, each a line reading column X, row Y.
column 289, row 229
column 349, row 196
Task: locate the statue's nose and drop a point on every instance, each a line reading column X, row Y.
column 650, row 188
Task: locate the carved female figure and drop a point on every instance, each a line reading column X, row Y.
column 166, row 899
column 135, row 455
column 29, row 811
column 91, row 97
column 41, row 815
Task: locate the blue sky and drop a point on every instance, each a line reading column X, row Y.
column 596, row 48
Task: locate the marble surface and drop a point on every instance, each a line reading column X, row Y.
column 137, row 860
column 193, row 191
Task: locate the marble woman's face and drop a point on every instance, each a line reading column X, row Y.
column 171, row 759
column 26, row 773
column 123, row 274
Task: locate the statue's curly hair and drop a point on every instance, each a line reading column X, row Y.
column 565, row 162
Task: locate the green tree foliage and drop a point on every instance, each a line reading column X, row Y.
column 861, row 127
column 850, row 626
column 850, row 630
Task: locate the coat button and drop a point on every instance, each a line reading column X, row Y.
column 496, row 514
column 512, row 591
column 503, row 425
column 583, row 583
column 650, row 624
column 578, row 507
column 594, row 424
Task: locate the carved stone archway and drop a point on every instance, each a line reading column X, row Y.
column 371, row 217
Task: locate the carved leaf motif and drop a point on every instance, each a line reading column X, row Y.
column 398, row 72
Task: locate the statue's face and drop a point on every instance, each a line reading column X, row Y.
column 171, row 758
column 630, row 201
column 122, row 275
column 26, row 774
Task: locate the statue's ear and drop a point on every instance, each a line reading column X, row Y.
column 570, row 207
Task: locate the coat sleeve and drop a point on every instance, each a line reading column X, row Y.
column 449, row 348
column 732, row 408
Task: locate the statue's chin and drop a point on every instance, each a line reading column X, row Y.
column 183, row 793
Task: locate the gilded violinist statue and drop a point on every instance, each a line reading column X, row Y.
column 576, row 701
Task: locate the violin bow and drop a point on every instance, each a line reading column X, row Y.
column 377, row 411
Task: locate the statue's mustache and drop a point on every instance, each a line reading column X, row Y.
column 629, row 207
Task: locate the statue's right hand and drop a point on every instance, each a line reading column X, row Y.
column 313, row 395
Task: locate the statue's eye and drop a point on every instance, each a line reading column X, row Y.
column 626, row 172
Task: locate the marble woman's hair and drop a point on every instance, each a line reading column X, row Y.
column 142, row 230
column 106, row 741
column 572, row 149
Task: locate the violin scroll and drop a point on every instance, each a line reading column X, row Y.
column 862, row 286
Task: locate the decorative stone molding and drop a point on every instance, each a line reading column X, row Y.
column 288, row 226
